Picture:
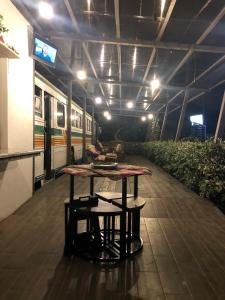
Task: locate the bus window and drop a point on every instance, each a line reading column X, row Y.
column 60, row 115
column 87, row 124
column 77, row 123
column 81, row 121
column 38, row 106
column 73, row 118
column 38, row 102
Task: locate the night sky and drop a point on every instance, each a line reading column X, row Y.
column 133, row 129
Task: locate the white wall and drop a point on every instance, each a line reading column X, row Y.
column 16, row 113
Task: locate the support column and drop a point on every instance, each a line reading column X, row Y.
column 68, row 132
column 220, row 127
column 155, row 128
column 84, row 129
column 164, row 122
column 182, row 115
column 93, row 125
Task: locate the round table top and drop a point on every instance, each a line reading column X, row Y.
column 122, row 170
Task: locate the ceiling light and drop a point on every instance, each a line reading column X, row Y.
column 146, row 93
column 105, row 113
column 98, row 100
column 81, row 75
column 89, row 5
column 150, row 116
column 110, row 102
column 45, row 10
column 143, row 119
column 102, row 56
column 135, row 58
column 111, row 90
column 163, row 3
column 155, row 84
column 130, row 104
column 109, row 117
column 110, row 70
column 110, row 74
column 145, row 104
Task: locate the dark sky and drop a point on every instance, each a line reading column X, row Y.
column 131, row 129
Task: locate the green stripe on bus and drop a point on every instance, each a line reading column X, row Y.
column 56, row 131
column 79, row 134
column 39, row 129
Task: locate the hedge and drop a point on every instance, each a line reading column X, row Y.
column 199, row 165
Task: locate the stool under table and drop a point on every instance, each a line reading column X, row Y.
column 110, row 222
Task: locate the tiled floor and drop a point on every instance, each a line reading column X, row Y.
column 183, row 255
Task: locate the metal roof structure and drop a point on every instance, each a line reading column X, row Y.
column 123, row 45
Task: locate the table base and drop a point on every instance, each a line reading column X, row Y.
column 105, row 251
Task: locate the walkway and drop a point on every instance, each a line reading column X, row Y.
column 183, row 256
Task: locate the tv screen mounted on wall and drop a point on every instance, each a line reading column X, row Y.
column 44, row 51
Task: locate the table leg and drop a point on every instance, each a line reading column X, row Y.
column 123, row 235
column 70, row 219
column 124, row 193
column 92, row 185
column 136, row 224
column 123, row 219
column 71, row 188
column 135, row 186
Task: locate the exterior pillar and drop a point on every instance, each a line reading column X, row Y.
column 84, row 129
column 220, row 127
column 182, row 115
column 68, row 132
column 164, row 122
column 93, row 125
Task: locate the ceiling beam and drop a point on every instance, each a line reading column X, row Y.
column 158, row 38
column 142, row 85
column 76, row 27
column 117, row 21
column 200, row 94
column 124, row 115
column 215, row 21
column 138, row 17
column 133, row 111
column 205, row 72
column 135, row 43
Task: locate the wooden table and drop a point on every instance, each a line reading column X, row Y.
column 109, row 243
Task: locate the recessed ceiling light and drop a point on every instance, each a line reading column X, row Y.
column 102, row 56
column 81, row 75
column 143, row 118
column 134, row 58
column 155, row 84
column 98, row 100
column 109, row 117
column 105, row 113
column 150, row 116
column 45, row 10
column 130, row 104
column 163, row 3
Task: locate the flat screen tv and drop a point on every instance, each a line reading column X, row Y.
column 196, row 119
column 44, row 51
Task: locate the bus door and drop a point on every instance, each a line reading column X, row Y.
column 48, row 136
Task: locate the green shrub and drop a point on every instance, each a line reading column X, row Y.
column 199, row 165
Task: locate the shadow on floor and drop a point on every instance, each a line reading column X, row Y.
column 78, row 279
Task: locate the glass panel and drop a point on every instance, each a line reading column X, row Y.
column 60, row 115
column 38, row 106
column 73, row 118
